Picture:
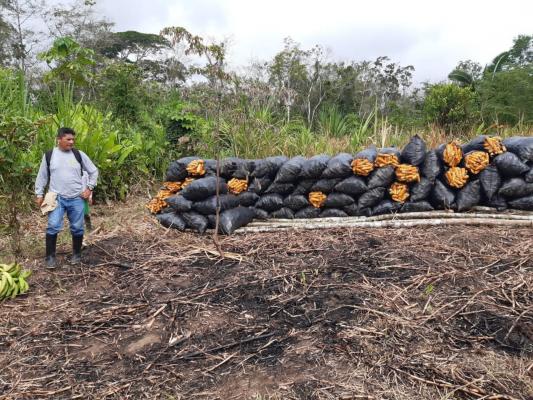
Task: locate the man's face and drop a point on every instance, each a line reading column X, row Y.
column 66, row 142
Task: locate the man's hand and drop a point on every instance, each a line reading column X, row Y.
column 38, row 201
column 86, row 194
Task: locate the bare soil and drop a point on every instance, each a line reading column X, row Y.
column 433, row 313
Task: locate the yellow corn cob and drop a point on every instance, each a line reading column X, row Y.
column 196, row 168
column 237, row 186
column 399, row 192
column 317, row 199
column 362, row 167
column 174, row 187
column 407, row 173
column 382, row 160
column 493, row 145
column 453, row 154
column 456, row 177
column 476, row 161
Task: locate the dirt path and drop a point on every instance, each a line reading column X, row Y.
column 334, row 314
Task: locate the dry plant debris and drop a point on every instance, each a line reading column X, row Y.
column 428, row 313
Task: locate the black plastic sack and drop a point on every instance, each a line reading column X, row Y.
column 247, row 199
column 475, row 144
column 352, row 185
column 308, row 212
column 510, row 165
column 369, row 153
column 490, row 181
column 281, row 188
column 390, row 150
column 195, row 221
column 171, row 220
column 260, row 214
column 303, row 187
column 179, row 203
column 371, row 197
column 244, row 170
column 284, row 213
column 211, row 221
column 529, row 176
column 523, row 203
column 386, row 207
column 339, row 166
column 269, row 167
column 498, row 202
column 332, row 212
column 353, row 210
column 324, row 185
column 416, row 206
column 209, row 205
column 296, row 202
column 469, row 196
column 414, row 152
column 290, row 171
column 203, row 188
column 381, row 177
column 338, row 200
column 431, row 168
column 516, row 187
column 314, row 167
column 420, row 190
column 520, row 145
column 233, row 219
column 270, row 202
column 230, row 165
column 441, row 196
column 177, row 170
column 259, row 185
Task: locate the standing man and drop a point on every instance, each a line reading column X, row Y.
column 62, row 168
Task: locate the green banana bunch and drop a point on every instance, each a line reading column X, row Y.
column 13, row 280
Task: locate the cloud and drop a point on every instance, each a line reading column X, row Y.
column 433, row 37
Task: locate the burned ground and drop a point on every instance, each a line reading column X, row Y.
column 443, row 312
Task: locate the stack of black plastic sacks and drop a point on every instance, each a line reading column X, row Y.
column 279, row 187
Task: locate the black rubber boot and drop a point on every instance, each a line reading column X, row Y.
column 77, row 242
column 51, row 241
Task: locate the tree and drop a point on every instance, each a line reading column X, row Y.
column 78, row 21
column 133, row 46
column 508, row 96
column 20, row 17
column 450, row 107
column 466, row 73
column 69, row 62
column 519, row 55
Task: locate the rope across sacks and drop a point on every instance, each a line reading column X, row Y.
column 486, row 171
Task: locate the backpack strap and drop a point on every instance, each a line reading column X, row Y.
column 77, row 155
column 48, row 157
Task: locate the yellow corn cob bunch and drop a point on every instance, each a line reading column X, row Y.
column 493, row 145
column 317, row 199
column 456, row 177
column 174, row 187
column 186, row 182
column 361, row 166
column 196, row 168
column 237, row 186
column 155, row 205
column 158, row 202
column 407, row 173
column 453, row 154
column 476, row 161
column 382, row 160
column 399, row 192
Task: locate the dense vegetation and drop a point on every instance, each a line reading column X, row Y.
column 137, row 100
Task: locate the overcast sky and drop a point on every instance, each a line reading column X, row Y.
column 430, row 35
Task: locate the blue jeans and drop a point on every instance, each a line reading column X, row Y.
column 75, row 211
